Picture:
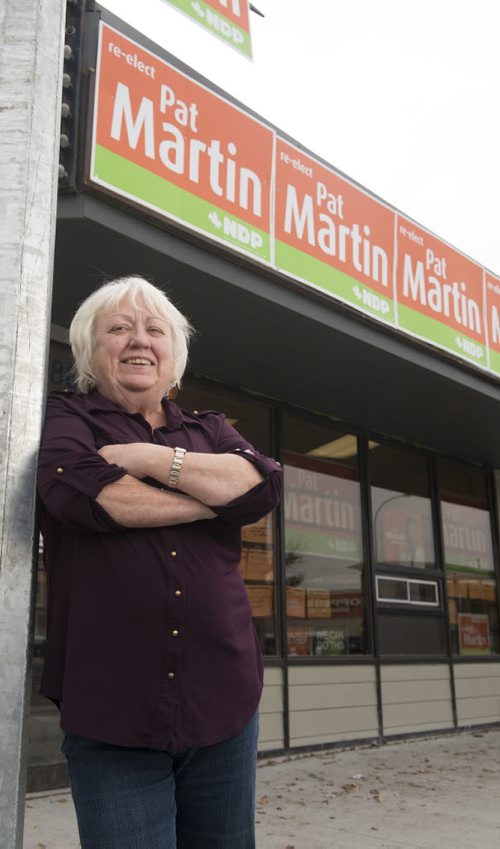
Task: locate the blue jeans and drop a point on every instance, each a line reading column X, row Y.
column 142, row 799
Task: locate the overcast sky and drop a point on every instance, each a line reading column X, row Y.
column 401, row 96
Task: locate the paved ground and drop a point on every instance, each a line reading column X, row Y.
column 431, row 793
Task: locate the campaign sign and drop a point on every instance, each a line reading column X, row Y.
column 493, row 320
column 474, row 633
column 440, row 294
column 322, row 515
column 467, row 537
column 332, row 235
column 167, row 144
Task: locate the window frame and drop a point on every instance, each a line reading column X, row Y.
column 409, row 583
column 340, row 428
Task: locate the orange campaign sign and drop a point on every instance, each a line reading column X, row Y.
column 333, row 235
column 493, row 320
column 440, row 293
column 168, row 144
column 164, row 143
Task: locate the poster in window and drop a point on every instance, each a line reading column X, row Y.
column 296, row 602
column 461, row 588
column 474, row 589
column 261, row 599
column 488, row 591
column 322, row 514
column 318, row 604
column 346, row 603
column 467, row 538
column 259, row 565
column 474, row 633
column 403, row 536
column 329, row 642
column 299, row 639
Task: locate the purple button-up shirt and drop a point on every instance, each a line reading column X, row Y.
column 150, row 640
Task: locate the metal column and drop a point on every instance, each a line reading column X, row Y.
column 31, row 52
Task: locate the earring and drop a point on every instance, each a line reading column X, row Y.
column 170, row 388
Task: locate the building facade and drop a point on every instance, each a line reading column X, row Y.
column 374, row 586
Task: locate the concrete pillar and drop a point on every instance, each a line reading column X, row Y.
column 31, row 52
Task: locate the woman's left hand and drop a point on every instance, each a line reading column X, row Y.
column 138, row 458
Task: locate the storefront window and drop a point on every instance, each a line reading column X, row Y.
column 323, row 540
column 401, row 508
column 468, row 553
column 258, row 559
column 409, row 598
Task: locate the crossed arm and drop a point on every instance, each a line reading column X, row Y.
column 206, row 480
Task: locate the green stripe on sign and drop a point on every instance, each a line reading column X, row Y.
column 495, row 361
column 467, row 569
column 435, row 331
column 327, row 545
column 216, row 23
column 312, row 270
column 137, row 183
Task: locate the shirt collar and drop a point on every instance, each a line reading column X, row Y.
column 176, row 416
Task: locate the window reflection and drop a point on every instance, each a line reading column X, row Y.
column 403, row 528
column 468, row 552
column 323, row 541
column 401, row 508
column 403, row 540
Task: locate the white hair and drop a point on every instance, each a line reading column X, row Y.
column 108, row 297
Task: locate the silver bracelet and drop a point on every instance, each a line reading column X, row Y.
column 175, row 468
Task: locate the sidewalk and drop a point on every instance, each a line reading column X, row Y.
column 419, row 794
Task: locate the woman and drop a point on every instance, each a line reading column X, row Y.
column 151, row 650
